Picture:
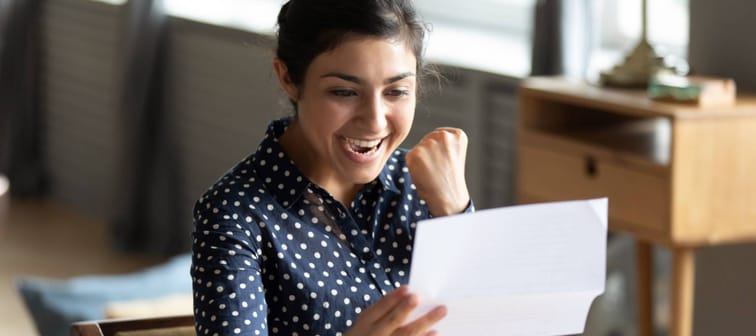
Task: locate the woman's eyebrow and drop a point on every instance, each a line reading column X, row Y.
column 398, row 77
column 357, row 80
column 348, row 78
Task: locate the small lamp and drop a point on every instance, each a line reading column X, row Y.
column 638, row 66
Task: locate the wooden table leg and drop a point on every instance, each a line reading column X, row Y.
column 644, row 280
column 682, row 287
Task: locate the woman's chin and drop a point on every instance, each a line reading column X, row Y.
column 363, row 168
column 364, row 175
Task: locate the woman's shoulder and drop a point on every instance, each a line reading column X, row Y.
column 233, row 177
column 243, row 175
column 257, row 183
column 229, row 190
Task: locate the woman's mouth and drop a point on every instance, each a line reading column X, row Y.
column 363, row 147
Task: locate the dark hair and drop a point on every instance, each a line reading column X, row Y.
column 307, row 28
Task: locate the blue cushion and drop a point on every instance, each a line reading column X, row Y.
column 55, row 304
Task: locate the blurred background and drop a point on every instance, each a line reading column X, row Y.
column 116, row 115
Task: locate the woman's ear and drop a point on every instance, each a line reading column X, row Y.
column 284, row 80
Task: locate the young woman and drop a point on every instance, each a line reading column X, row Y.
column 312, row 234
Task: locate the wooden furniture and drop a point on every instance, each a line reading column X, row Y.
column 676, row 175
column 159, row 326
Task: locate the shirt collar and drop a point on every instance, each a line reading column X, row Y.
column 284, row 181
column 271, row 164
column 391, row 170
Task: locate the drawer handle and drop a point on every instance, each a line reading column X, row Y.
column 591, row 166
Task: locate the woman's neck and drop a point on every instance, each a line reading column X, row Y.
column 299, row 150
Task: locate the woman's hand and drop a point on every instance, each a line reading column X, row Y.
column 437, row 166
column 388, row 317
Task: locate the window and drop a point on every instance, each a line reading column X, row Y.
column 667, row 24
column 507, row 16
column 254, row 15
column 113, row 2
column 618, row 29
column 488, row 35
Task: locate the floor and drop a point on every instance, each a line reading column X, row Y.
column 41, row 238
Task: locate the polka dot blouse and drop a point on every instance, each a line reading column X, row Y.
column 274, row 253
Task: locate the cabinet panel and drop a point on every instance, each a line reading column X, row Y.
column 638, row 200
column 715, row 187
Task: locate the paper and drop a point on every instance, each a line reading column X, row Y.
column 521, row 270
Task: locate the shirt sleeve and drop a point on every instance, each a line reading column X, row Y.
column 228, row 292
column 470, row 207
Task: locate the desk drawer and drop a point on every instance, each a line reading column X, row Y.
column 638, row 199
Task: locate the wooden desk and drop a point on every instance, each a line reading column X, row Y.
column 676, row 175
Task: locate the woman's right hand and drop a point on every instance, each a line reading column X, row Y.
column 389, row 316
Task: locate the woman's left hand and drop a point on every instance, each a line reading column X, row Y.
column 437, row 166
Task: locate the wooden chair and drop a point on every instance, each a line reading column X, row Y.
column 159, row 326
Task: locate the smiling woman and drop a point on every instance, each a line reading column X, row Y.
column 354, row 110
column 312, row 234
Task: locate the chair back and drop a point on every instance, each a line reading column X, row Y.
column 159, row 326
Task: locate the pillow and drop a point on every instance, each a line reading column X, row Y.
column 176, row 331
column 169, row 305
column 55, row 304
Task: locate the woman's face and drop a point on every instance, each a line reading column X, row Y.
column 355, row 107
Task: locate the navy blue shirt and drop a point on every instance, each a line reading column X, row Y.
column 274, row 253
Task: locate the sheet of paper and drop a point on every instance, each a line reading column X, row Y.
column 520, row 270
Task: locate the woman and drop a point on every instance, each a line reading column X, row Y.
column 312, row 234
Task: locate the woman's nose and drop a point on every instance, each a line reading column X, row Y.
column 375, row 112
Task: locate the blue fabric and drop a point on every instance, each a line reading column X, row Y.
column 274, row 253
column 55, row 304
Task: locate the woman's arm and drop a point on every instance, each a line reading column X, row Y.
column 228, row 292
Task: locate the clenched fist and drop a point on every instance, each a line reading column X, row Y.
column 437, row 167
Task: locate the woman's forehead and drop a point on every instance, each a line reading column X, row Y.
column 366, row 57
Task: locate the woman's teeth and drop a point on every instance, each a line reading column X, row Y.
column 364, row 143
column 364, row 147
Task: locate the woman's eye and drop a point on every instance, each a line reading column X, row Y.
column 398, row 93
column 343, row 93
